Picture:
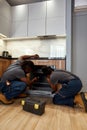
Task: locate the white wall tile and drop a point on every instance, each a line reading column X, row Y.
column 41, row 47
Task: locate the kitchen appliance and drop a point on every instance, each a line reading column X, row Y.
column 40, row 89
column 5, row 53
column 41, row 83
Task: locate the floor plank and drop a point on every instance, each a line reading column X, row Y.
column 13, row 117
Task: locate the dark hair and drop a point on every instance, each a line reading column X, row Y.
column 47, row 70
column 27, row 64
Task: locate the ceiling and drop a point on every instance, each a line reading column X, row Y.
column 20, row 2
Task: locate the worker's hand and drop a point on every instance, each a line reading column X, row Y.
column 25, row 57
column 36, row 56
column 35, row 79
column 28, row 75
column 58, row 86
column 48, row 79
column 8, row 83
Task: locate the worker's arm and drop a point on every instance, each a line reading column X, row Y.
column 25, row 57
column 55, row 87
column 52, row 85
column 28, row 81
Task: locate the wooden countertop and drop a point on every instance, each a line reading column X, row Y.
column 9, row 58
column 41, row 58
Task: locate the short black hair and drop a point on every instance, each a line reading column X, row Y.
column 47, row 70
column 27, row 64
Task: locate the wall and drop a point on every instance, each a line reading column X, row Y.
column 5, row 17
column 79, row 3
column 69, row 16
column 50, row 47
column 2, row 46
column 79, row 60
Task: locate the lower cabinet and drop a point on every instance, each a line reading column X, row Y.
column 58, row 64
column 4, row 63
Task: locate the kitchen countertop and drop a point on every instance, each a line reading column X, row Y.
column 41, row 58
column 9, row 58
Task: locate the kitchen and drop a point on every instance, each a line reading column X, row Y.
column 74, row 51
column 26, row 37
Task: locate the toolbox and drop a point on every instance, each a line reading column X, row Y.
column 32, row 105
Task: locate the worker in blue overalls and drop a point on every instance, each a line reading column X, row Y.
column 66, row 86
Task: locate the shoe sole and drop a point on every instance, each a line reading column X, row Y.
column 6, row 103
column 84, row 100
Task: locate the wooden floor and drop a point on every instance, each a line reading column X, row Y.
column 13, row 117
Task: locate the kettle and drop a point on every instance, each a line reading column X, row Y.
column 5, row 53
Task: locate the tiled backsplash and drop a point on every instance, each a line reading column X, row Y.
column 55, row 47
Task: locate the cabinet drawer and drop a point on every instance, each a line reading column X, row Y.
column 42, row 62
column 4, row 63
column 60, row 64
column 45, row 62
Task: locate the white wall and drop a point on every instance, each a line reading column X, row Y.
column 80, row 3
column 79, row 60
column 69, row 12
column 5, row 17
column 2, row 46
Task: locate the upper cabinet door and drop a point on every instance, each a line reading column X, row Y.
column 5, row 17
column 55, row 26
column 37, row 10
column 36, row 27
column 37, row 17
column 55, row 17
column 19, row 29
column 55, row 8
column 19, row 21
column 19, row 13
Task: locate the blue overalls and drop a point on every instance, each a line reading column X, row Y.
column 66, row 94
column 13, row 90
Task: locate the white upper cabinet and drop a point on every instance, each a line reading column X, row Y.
column 55, row 8
column 37, row 17
column 47, row 18
column 19, row 21
column 37, row 10
column 19, row 13
column 55, row 17
column 55, row 26
column 19, row 29
column 36, row 27
column 5, row 18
